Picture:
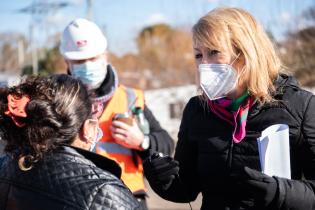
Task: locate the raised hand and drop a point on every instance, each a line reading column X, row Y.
column 160, row 170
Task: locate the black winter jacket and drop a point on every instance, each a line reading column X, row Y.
column 63, row 180
column 208, row 158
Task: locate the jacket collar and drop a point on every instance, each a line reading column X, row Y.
column 94, row 159
column 109, row 84
column 285, row 80
column 281, row 83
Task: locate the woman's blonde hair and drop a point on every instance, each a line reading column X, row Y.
column 244, row 39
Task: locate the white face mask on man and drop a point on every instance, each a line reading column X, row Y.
column 91, row 73
column 217, row 80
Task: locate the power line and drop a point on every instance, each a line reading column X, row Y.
column 39, row 10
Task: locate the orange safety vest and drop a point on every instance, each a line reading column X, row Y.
column 128, row 160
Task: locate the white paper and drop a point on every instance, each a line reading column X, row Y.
column 274, row 151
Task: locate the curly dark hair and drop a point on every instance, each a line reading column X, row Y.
column 58, row 107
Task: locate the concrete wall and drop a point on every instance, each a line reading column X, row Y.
column 9, row 79
column 160, row 102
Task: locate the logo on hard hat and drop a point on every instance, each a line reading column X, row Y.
column 81, row 43
column 82, row 39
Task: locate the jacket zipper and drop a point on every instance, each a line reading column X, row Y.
column 229, row 162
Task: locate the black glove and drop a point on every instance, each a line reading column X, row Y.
column 160, row 170
column 262, row 187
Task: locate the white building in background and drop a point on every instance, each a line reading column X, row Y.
column 311, row 89
column 9, row 79
column 167, row 105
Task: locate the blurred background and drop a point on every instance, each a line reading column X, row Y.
column 149, row 44
column 149, row 41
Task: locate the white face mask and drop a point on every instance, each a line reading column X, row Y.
column 91, row 73
column 99, row 135
column 217, row 80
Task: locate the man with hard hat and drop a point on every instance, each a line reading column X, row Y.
column 83, row 46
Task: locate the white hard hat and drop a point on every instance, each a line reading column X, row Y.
column 82, row 39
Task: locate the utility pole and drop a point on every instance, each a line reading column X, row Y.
column 39, row 11
column 33, row 50
column 20, row 52
column 89, row 10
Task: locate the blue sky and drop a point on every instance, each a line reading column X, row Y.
column 123, row 19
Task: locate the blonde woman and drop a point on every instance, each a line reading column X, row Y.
column 243, row 94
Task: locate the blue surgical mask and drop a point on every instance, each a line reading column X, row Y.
column 217, row 80
column 91, row 73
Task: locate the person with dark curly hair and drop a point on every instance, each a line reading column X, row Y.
column 48, row 128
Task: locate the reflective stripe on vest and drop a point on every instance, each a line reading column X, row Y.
column 130, row 163
column 113, row 148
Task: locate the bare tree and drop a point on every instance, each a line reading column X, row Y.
column 299, row 49
column 167, row 52
column 12, row 48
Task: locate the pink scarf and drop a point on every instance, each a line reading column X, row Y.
column 237, row 118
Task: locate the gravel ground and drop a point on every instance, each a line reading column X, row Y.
column 156, row 203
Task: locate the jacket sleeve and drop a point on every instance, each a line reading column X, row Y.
column 160, row 140
column 185, row 187
column 299, row 194
column 114, row 196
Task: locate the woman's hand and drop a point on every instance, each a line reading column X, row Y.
column 262, row 187
column 160, row 170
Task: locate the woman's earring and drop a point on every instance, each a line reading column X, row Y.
column 25, row 163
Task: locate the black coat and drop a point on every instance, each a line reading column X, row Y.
column 64, row 179
column 208, row 158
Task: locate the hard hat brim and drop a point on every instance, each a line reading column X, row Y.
column 77, row 55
